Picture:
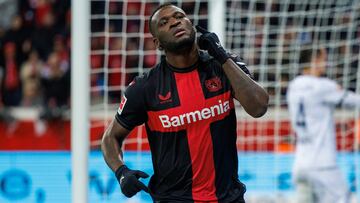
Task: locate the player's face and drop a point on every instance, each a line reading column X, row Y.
column 173, row 31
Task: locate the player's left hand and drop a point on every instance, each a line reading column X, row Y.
column 129, row 181
column 209, row 41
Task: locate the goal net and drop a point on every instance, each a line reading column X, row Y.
column 268, row 34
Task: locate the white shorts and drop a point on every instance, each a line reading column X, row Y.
column 321, row 186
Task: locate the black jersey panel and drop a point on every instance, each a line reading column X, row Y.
column 161, row 91
column 172, row 166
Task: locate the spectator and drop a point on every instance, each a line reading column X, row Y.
column 5, row 115
column 42, row 11
column 30, row 77
column 43, row 36
column 11, row 89
column 61, row 50
column 20, row 37
column 56, row 83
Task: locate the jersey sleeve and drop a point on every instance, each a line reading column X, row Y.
column 131, row 111
column 333, row 94
column 350, row 100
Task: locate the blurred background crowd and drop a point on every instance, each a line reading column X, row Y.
column 35, row 48
column 35, row 67
column 35, row 51
column 35, row 57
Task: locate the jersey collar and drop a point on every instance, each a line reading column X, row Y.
column 203, row 57
column 183, row 70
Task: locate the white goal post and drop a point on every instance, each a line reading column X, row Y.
column 80, row 99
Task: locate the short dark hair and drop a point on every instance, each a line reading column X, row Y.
column 306, row 55
column 153, row 13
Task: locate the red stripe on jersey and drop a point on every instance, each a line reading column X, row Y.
column 199, row 138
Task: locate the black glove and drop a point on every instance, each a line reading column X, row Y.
column 128, row 180
column 239, row 62
column 209, row 41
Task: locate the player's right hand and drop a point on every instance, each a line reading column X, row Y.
column 129, row 180
column 210, row 42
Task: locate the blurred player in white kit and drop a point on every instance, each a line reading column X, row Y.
column 312, row 100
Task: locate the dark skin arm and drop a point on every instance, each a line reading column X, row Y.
column 250, row 94
column 111, row 144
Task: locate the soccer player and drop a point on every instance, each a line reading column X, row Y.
column 186, row 103
column 312, row 100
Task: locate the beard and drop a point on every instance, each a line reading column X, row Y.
column 178, row 46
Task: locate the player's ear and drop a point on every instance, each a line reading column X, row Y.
column 157, row 44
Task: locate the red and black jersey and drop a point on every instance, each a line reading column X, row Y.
column 191, row 126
